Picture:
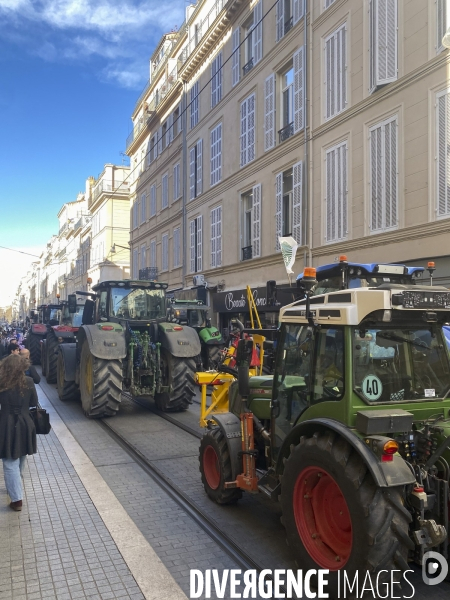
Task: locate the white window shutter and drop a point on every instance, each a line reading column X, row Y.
column 143, row 257
column 213, row 238
column 176, row 181
column 219, row 77
column 199, row 166
column 297, row 204
column 256, row 221
column 443, row 141
column 278, row 208
column 143, row 208
column 165, row 253
column 390, row 170
column 153, row 200
column 213, row 83
column 135, row 263
column 216, row 155
column 164, row 191
column 176, row 247
column 170, row 129
column 336, row 194
column 298, row 10
column 219, row 236
column 299, row 90
column 257, row 32
column 153, row 253
column 199, row 244
column 251, row 127
column 330, row 77
column 376, row 179
column 280, row 19
column 192, row 245
column 336, row 72
column 331, row 195
column 383, row 41
column 269, row 112
column 159, row 140
column 192, row 173
column 235, row 61
column 243, row 138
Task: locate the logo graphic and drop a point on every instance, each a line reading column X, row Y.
column 434, row 568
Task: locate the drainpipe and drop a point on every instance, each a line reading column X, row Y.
column 184, row 171
column 308, row 146
column 308, row 206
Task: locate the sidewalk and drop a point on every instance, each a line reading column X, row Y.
column 71, row 541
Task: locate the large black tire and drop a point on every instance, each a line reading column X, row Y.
column 348, row 513
column 215, row 467
column 44, row 357
column 34, row 345
column 214, row 357
column 179, row 373
column 67, row 390
column 100, row 384
column 51, row 357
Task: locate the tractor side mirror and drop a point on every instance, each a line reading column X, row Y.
column 88, row 313
column 208, row 322
column 271, row 292
column 72, row 303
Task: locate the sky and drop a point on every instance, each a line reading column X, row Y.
column 70, row 74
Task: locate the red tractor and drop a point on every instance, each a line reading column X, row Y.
column 42, row 320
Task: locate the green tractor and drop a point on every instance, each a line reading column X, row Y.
column 195, row 314
column 351, row 435
column 126, row 344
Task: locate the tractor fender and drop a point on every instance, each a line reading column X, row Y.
column 65, row 335
column 385, row 474
column 105, row 344
column 183, row 343
column 230, row 425
column 39, row 329
column 69, row 354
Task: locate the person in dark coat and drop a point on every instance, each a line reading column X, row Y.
column 31, row 371
column 17, row 430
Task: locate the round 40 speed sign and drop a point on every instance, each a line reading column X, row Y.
column 372, row 388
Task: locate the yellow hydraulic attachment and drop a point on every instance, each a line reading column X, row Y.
column 220, row 382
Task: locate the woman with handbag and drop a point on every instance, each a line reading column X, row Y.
column 17, row 429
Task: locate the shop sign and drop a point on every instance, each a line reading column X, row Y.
column 236, row 301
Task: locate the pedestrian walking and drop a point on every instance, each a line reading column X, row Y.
column 17, row 430
column 31, row 371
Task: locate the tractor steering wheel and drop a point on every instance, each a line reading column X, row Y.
column 331, row 387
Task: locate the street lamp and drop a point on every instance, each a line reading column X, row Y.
column 113, row 248
column 446, row 39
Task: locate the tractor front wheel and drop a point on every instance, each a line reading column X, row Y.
column 215, row 467
column 336, row 517
column 100, row 384
column 179, row 374
column 34, row 345
column 67, row 390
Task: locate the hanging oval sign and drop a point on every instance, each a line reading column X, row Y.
column 372, row 388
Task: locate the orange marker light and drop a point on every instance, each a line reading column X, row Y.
column 390, row 447
column 343, row 258
column 431, row 265
column 309, row 272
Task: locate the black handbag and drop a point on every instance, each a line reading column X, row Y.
column 41, row 420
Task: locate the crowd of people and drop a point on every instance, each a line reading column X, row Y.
column 17, row 395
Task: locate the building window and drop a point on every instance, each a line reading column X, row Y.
column 383, row 175
column 176, row 182
column 442, row 153
column 195, row 170
column 251, row 223
column 336, row 72
column 143, row 257
column 216, row 80
column 336, row 193
column 383, row 41
column 327, row 3
column 143, row 208
column 153, row 148
column 164, row 140
column 442, row 22
column 134, row 213
column 216, row 237
column 165, row 191
column 216, row 154
column 135, row 263
column 236, row 58
column 253, row 37
column 196, row 244
column 194, row 104
column 165, row 252
column 176, row 127
column 153, row 253
column 289, row 190
column 153, row 200
column 176, row 248
column 247, row 138
column 289, row 13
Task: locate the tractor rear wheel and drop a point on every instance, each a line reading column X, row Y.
column 34, row 345
column 44, row 357
column 67, row 390
column 336, row 517
column 179, row 374
column 215, row 467
column 51, row 358
column 100, row 384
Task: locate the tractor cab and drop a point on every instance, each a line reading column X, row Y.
column 72, row 317
column 49, row 314
column 188, row 312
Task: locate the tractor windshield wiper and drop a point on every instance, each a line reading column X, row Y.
column 398, row 338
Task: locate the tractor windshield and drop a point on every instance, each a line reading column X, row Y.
column 334, row 284
column 73, row 319
column 190, row 316
column 400, row 363
column 140, row 304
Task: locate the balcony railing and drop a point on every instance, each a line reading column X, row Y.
column 107, row 187
column 286, row 132
column 149, row 273
column 63, row 228
column 247, row 253
column 248, row 67
column 82, row 221
column 288, row 25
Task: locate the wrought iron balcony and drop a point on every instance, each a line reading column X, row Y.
column 288, row 25
column 286, row 132
column 248, row 67
column 149, row 273
column 247, row 253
